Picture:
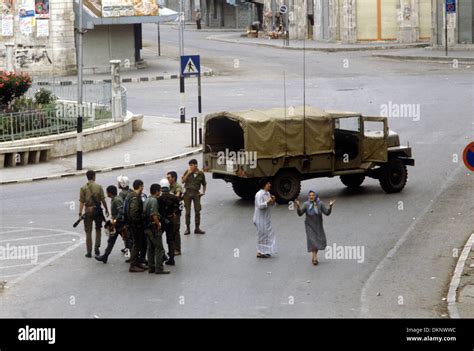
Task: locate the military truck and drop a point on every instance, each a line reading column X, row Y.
column 295, row 144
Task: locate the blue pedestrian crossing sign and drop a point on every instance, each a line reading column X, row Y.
column 190, row 65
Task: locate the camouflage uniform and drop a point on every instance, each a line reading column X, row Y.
column 86, row 194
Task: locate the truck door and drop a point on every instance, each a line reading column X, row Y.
column 347, row 142
column 374, row 141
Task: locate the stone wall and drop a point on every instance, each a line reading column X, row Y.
column 45, row 56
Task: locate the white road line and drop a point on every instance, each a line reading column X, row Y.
column 56, row 243
column 34, row 237
column 453, row 287
column 45, row 263
column 19, row 265
column 364, row 308
column 15, row 231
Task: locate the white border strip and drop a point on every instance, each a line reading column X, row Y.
column 454, row 285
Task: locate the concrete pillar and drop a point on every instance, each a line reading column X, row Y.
column 408, row 21
column 452, row 28
column 9, row 59
column 334, row 22
column 318, row 20
column 116, row 91
column 349, row 19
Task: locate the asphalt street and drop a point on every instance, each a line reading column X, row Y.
column 218, row 274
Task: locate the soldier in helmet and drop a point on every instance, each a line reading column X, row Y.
column 168, row 208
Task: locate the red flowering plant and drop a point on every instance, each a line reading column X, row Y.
column 12, row 85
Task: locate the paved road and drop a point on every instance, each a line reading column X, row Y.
column 208, row 278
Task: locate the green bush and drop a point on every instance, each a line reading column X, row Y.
column 45, row 97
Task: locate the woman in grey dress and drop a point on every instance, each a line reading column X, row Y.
column 315, row 236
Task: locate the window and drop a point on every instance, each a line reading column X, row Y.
column 374, row 129
column 348, row 123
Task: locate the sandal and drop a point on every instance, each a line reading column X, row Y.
column 315, row 261
column 260, row 255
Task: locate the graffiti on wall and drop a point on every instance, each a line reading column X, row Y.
column 25, row 56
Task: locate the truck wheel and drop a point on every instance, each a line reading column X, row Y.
column 286, row 186
column 393, row 176
column 353, row 180
column 246, row 189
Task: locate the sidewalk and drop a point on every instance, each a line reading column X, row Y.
column 429, row 55
column 158, row 68
column 312, row 44
column 464, row 291
column 160, row 138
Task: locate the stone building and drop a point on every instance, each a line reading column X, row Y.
column 43, row 38
column 219, row 13
column 351, row 21
column 460, row 24
column 43, row 34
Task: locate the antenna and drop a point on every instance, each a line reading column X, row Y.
column 304, row 86
column 284, row 98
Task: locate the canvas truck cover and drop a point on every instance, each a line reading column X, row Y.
column 272, row 135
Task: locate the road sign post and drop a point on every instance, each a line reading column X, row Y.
column 191, row 67
column 450, row 8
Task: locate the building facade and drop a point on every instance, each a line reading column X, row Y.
column 43, row 36
column 351, row 21
column 460, row 24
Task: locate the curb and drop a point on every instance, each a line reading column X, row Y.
column 322, row 49
column 207, row 73
column 104, row 170
column 461, row 60
column 456, row 280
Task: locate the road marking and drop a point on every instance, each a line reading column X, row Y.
column 453, row 287
column 15, row 231
column 33, row 237
column 80, row 241
column 364, row 309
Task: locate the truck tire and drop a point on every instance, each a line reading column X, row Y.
column 286, row 186
column 246, row 189
column 393, row 176
column 353, row 180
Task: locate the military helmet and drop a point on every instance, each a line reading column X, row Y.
column 164, row 183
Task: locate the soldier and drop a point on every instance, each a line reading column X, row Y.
column 193, row 179
column 177, row 190
column 168, row 207
column 91, row 196
column 134, row 214
column 153, row 231
column 116, row 209
column 123, row 185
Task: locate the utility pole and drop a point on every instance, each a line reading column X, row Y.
column 182, row 95
column 79, row 60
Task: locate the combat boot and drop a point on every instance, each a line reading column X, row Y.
column 102, row 258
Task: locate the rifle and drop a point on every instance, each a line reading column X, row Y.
column 99, row 213
column 79, row 221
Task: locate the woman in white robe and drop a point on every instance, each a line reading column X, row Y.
column 261, row 219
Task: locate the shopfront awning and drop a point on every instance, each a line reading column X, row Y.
column 92, row 18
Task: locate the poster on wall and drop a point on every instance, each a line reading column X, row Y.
column 7, row 25
column 42, row 28
column 42, row 8
column 26, row 8
column 6, row 7
column 26, row 25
